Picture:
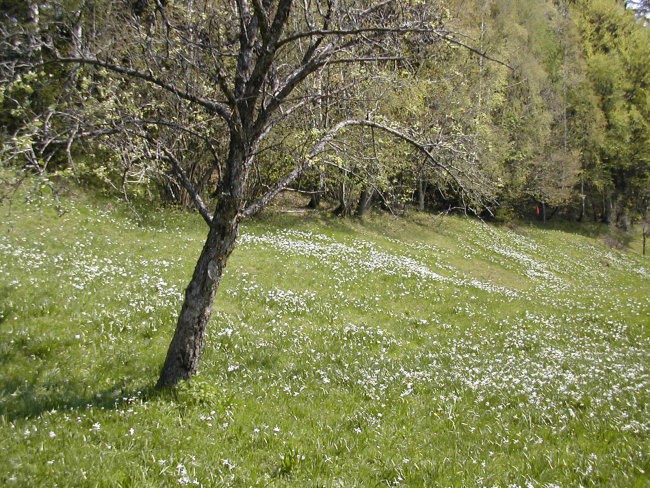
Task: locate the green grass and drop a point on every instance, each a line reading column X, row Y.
column 416, row 352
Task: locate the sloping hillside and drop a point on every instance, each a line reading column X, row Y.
column 425, row 351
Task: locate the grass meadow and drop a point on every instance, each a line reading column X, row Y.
column 424, row 352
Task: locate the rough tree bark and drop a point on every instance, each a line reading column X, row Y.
column 187, row 345
column 188, row 342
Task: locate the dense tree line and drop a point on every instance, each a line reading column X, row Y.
column 541, row 105
column 491, row 107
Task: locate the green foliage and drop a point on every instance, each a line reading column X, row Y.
column 568, row 119
column 618, row 62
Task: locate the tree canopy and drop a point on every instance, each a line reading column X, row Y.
column 519, row 103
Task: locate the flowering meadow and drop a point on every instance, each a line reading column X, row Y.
column 425, row 351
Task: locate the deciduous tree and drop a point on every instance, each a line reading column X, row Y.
column 235, row 78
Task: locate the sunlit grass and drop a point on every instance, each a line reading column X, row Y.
column 417, row 352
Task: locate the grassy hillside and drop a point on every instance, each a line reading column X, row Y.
column 418, row 352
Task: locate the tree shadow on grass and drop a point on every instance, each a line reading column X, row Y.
column 605, row 233
column 594, row 230
column 21, row 400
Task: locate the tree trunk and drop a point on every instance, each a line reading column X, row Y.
column 344, row 208
column 421, row 201
column 607, row 209
column 583, row 206
column 621, row 213
column 189, row 338
column 364, row 201
column 314, row 201
column 623, row 220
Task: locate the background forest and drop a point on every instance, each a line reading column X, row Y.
column 539, row 106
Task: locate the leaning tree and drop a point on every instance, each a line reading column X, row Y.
column 232, row 76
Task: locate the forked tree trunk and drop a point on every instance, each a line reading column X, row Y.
column 189, row 338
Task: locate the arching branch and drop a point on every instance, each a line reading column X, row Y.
column 423, row 148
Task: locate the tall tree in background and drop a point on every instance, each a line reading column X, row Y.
column 617, row 49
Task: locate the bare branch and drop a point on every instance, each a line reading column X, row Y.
column 222, row 110
column 321, row 33
column 483, row 54
column 263, row 16
column 329, row 136
column 281, row 184
column 187, row 184
column 268, row 50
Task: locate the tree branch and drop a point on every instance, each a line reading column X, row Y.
column 281, row 184
column 353, row 32
column 187, row 184
column 258, row 205
column 483, row 54
column 268, row 49
column 221, row 110
column 321, row 33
